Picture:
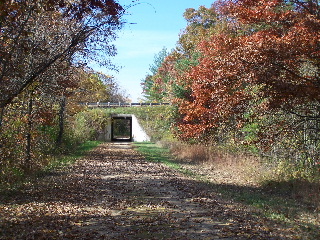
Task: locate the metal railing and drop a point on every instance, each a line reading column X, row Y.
column 120, row 104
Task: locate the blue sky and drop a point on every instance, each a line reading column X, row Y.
column 157, row 25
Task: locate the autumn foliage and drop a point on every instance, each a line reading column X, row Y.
column 280, row 60
column 44, row 49
column 251, row 76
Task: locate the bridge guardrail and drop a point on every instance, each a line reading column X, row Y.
column 120, row 104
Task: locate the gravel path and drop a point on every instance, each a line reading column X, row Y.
column 113, row 193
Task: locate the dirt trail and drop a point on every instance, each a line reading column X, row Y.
column 113, row 193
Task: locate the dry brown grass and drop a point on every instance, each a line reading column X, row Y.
column 217, row 164
column 190, row 153
column 240, row 169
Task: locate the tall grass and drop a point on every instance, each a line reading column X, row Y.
column 240, row 178
column 243, row 169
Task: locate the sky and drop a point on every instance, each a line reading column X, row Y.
column 156, row 24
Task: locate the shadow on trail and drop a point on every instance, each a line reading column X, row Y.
column 273, row 200
column 114, row 193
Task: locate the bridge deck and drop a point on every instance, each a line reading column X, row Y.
column 109, row 104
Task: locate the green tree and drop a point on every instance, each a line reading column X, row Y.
column 153, row 91
column 165, row 81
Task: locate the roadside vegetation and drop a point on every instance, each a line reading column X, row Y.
column 44, row 48
column 243, row 83
column 244, row 80
column 239, row 182
column 263, row 182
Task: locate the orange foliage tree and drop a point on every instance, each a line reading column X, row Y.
column 266, row 59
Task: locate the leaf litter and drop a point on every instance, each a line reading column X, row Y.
column 114, row 193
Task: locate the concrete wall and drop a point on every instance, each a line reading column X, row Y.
column 105, row 134
column 138, row 134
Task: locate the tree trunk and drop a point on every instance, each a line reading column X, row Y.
column 1, row 119
column 28, row 134
column 61, row 121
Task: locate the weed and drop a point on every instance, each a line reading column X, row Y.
column 154, row 153
column 277, row 205
column 66, row 160
column 12, row 178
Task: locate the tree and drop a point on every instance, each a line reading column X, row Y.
column 44, row 48
column 98, row 87
column 152, row 88
column 165, row 81
column 200, row 24
column 114, row 91
column 286, row 46
column 262, row 55
column 36, row 34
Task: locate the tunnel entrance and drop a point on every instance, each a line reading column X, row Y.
column 121, row 128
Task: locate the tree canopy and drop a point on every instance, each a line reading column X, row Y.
column 35, row 35
column 241, row 62
column 44, row 49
